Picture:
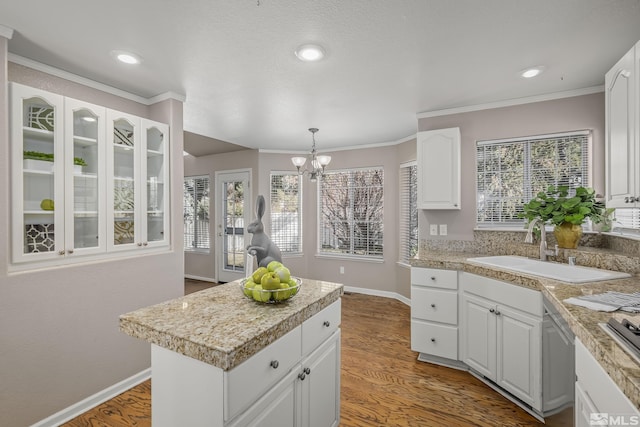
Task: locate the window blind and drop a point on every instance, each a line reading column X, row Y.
column 511, row 172
column 286, row 211
column 408, row 211
column 196, row 213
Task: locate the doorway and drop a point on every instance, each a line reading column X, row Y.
column 233, row 198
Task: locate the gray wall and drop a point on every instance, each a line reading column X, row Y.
column 59, row 337
column 567, row 114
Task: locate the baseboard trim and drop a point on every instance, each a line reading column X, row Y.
column 201, row 278
column 377, row 293
column 90, row 402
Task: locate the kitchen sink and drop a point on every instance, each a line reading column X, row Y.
column 551, row 270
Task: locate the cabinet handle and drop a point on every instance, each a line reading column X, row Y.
column 70, row 251
column 491, row 310
column 302, row 376
column 139, row 244
column 274, row 364
column 433, row 306
column 497, row 313
column 61, row 252
column 433, row 340
column 307, row 371
column 145, row 243
column 433, row 278
column 327, row 323
column 625, row 73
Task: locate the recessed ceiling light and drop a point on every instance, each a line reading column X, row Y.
column 310, row 52
column 531, row 72
column 126, row 57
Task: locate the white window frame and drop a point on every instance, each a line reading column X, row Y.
column 408, row 208
column 299, row 228
column 527, row 193
column 349, row 255
column 189, row 248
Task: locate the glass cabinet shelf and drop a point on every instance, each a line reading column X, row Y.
column 37, row 134
column 37, row 172
column 84, row 141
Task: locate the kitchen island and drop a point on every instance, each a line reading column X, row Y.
column 221, row 359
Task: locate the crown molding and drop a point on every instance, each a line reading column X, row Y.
column 333, row 150
column 6, row 32
column 20, row 60
column 512, row 102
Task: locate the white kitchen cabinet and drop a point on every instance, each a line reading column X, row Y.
column 622, row 136
column 294, row 381
column 501, row 336
column 439, row 169
column 138, row 182
column 60, row 208
column 598, row 398
column 434, row 314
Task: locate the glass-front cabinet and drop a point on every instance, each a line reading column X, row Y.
column 86, row 180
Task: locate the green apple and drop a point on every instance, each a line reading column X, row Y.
column 273, row 265
column 283, row 274
column 248, row 287
column 294, row 285
column 258, row 295
column 270, row 281
column 257, row 275
column 283, row 293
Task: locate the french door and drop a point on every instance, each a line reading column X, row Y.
column 233, row 215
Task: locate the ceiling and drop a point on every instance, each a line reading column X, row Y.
column 385, row 60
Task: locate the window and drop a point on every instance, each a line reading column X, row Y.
column 286, row 211
column 350, row 213
column 408, row 211
column 196, row 213
column 511, row 172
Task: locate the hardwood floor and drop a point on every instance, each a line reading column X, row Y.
column 382, row 383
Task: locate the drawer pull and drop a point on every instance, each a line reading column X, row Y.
column 302, row 376
column 433, row 340
column 492, row 310
column 327, row 323
column 274, row 364
column 433, row 306
column 497, row 313
column 433, row 278
column 307, row 371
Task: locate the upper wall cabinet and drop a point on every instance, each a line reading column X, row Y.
column 439, row 169
column 85, row 181
column 622, row 138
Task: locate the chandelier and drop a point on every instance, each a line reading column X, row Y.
column 317, row 162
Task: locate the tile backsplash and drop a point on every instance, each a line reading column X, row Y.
column 598, row 250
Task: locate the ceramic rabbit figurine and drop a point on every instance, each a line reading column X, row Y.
column 261, row 245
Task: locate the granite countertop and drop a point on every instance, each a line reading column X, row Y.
column 222, row 327
column 623, row 369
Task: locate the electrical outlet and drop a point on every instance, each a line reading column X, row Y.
column 433, row 229
column 443, row 229
column 342, row 269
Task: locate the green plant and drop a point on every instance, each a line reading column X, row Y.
column 48, row 157
column 556, row 206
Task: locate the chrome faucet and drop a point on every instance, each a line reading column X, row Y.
column 544, row 252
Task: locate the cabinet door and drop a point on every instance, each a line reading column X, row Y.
column 478, row 335
column 519, row 355
column 37, row 193
column 320, row 385
column 155, row 183
column 584, row 409
column 85, row 177
column 277, row 407
column 621, row 148
column 123, row 189
column 439, row 169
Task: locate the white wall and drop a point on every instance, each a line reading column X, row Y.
column 59, row 336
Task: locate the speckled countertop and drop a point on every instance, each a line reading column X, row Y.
column 222, row 327
column 622, row 368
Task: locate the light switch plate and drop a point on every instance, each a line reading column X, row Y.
column 443, row 229
column 433, row 229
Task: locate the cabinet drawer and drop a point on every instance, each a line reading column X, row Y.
column 447, row 279
column 437, row 340
column 434, row 304
column 249, row 380
column 319, row 327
